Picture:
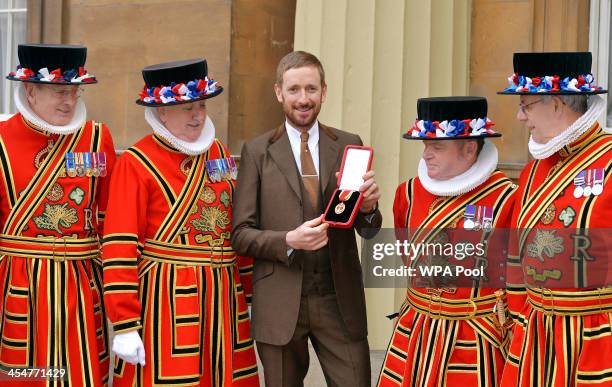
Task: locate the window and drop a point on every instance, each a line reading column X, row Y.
column 12, row 32
column 609, row 113
column 600, row 44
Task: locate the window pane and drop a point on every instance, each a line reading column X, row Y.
column 19, row 36
column 5, row 84
column 8, row 46
column 14, row 4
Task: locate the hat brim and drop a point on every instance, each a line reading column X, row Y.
column 552, row 93
column 207, row 96
column 408, row 137
column 51, row 83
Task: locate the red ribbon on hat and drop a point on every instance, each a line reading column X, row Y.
column 466, row 128
column 58, row 74
column 555, row 83
column 176, row 88
column 27, row 73
column 201, row 85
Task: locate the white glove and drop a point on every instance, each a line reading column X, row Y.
column 128, row 346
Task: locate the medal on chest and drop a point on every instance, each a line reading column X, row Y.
column 85, row 164
column 101, row 160
column 589, row 182
column 579, row 184
column 478, row 217
column 80, row 164
column 487, row 218
column 598, row 180
column 233, row 168
column 469, row 217
column 221, row 169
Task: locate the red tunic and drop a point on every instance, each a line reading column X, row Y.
column 562, row 336
column 447, row 336
column 170, row 272
column 52, row 313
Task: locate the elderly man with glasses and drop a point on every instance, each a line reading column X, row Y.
column 558, row 289
column 54, row 185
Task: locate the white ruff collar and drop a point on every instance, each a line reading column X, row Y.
column 572, row 133
column 23, row 106
column 478, row 173
column 194, row 148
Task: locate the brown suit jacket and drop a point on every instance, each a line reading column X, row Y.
column 267, row 204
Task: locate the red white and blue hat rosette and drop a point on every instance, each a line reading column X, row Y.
column 552, row 73
column 54, row 64
column 451, row 118
column 179, row 82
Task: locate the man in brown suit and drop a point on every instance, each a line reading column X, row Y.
column 307, row 280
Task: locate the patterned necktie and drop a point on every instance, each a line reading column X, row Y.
column 309, row 173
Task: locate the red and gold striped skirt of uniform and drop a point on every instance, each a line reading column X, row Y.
column 52, row 314
column 562, row 339
column 196, row 329
column 445, row 342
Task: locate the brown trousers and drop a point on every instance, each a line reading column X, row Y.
column 344, row 362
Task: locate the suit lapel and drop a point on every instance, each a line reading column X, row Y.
column 328, row 158
column 281, row 153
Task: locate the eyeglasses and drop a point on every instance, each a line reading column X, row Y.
column 523, row 108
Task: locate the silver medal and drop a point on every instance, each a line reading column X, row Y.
column 578, row 191
column 597, row 189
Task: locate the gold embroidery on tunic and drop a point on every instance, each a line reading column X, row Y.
column 55, row 193
column 545, row 243
column 435, row 204
column 215, row 242
column 210, row 218
column 542, row 277
column 184, row 165
column 208, row 196
column 42, row 154
column 56, row 215
column 549, row 214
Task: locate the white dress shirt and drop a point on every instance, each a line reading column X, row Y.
column 313, row 143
